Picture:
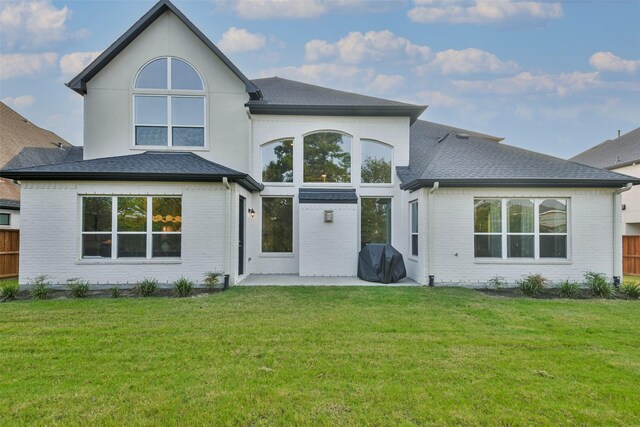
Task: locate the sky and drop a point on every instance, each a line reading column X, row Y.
column 554, row 77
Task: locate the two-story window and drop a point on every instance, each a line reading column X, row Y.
column 169, row 105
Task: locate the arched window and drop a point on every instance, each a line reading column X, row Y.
column 375, row 165
column 277, row 161
column 327, row 157
column 169, row 105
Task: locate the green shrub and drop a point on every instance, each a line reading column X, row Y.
column 146, row 288
column 631, row 290
column 599, row 285
column 569, row 289
column 40, row 289
column 496, row 283
column 116, row 292
column 78, row 287
column 9, row 290
column 532, row 285
column 212, row 278
column 183, row 287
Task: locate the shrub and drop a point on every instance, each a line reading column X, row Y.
column 212, row 278
column 78, row 287
column 569, row 289
column 9, row 290
column 116, row 292
column 599, row 285
column 631, row 290
column 146, row 288
column 532, row 285
column 40, row 289
column 183, row 287
column 496, row 283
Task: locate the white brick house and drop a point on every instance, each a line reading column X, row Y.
column 189, row 167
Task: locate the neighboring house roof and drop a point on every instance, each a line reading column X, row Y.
column 282, row 96
column 13, row 205
column 328, row 195
column 152, row 166
column 613, row 153
column 36, row 156
column 442, row 155
column 79, row 82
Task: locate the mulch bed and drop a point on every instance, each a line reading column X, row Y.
column 55, row 294
column 547, row 294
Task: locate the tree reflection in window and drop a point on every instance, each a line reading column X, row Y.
column 277, row 161
column 375, row 220
column 327, row 157
column 376, row 162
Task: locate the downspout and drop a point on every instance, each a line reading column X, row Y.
column 617, row 233
column 430, row 238
column 225, row 181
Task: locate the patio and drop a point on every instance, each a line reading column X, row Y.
column 295, row 280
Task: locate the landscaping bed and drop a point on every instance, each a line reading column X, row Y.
column 550, row 293
column 54, row 293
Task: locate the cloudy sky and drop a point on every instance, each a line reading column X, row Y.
column 556, row 77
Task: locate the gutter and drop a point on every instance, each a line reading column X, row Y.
column 225, row 181
column 430, row 239
column 617, row 233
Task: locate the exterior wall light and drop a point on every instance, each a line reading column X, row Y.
column 328, row 216
column 252, row 212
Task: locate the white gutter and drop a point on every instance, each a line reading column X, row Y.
column 617, row 231
column 225, row 181
column 430, row 238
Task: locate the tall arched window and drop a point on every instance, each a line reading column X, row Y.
column 169, row 105
column 327, row 157
column 375, row 167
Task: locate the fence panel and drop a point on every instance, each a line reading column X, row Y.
column 9, row 252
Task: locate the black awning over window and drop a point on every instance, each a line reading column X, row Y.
column 328, row 195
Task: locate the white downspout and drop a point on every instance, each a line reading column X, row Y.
column 430, row 237
column 225, row 181
column 617, row 231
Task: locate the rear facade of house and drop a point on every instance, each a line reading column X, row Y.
column 189, row 167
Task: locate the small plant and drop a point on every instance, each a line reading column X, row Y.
column 212, row 278
column 631, row 290
column 599, row 285
column 533, row 284
column 183, row 287
column 569, row 289
column 9, row 290
column 146, row 287
column 116, row 292
column 496, row 283
column 78, row 287
column 40, row 289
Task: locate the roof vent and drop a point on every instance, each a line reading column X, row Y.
column 462, row 135
column 442, row 139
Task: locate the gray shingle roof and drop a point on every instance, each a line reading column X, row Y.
column 438, row 155
column 157, row 166
column 36, row 156
column 283, row 96
column 10, row 204
column 328, row 195
column 612, row 153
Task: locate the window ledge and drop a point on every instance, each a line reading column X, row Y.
column 165, row 148
column 276, row 255
column 412, row 258
column 111, row 261
column 549, row 261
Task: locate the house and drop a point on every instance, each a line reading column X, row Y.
column 18, row 134
column 621, row 155
column 189, row 166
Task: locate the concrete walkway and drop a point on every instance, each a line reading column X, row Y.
column 295, row 280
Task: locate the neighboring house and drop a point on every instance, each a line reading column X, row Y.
column 189, row 167
column 620, row 155
column 18, row 134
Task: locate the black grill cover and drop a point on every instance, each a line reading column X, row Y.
column 379, row 262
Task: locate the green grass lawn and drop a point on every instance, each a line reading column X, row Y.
column 288, row 356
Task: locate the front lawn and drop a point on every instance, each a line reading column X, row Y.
column 290, row 355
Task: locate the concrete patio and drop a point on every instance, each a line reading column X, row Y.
column 295, row 280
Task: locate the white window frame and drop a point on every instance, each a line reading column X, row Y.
column 536, row 229
column 8, row 219
column 293, row 237
column 327, row 184
column 411, row 232
column 376, row 184
column 115, row 232
column 293, row 163
column 360, row 217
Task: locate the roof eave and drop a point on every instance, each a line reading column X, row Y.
column 338, row 110
column 521, row 182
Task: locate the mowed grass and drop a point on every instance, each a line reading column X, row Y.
column 321, row 356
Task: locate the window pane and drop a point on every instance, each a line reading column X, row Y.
column 96, row 245
column 414, row 245
column 153, row 75
column 414, row 217
column 183, row 76
column 277, row 224
column 553, row 216
column 167, row 214
column 96, row 214
column 277, row 161
column 188, row 137
column 520, row 247
column 148, row 135
column 132, row 245
column 5, row 219
column 488, row 216
column 553, row 246
column 375, row 220
column 376, row 162
column 488, row 246
column 132, row 214
column 327, row 157
column 167, row 245
column 520, row 216
column 187, row 111
column 151, row 110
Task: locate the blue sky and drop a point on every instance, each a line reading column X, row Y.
column 555, row 77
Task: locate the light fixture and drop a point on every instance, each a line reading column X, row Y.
column 252, row 212
column 328, row 216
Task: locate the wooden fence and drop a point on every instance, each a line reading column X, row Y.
column 9, row 252
column 631, row 255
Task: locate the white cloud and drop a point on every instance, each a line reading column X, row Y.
column 483, row 11
column 466, row 61
column 607, row 61
column 23, row 101
column 526, row 82
column 373, row 46
column 241, row 40
column 437, row 99
column 73, row 63
column 32, row 23
column 271, row 9
column 25, row 64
